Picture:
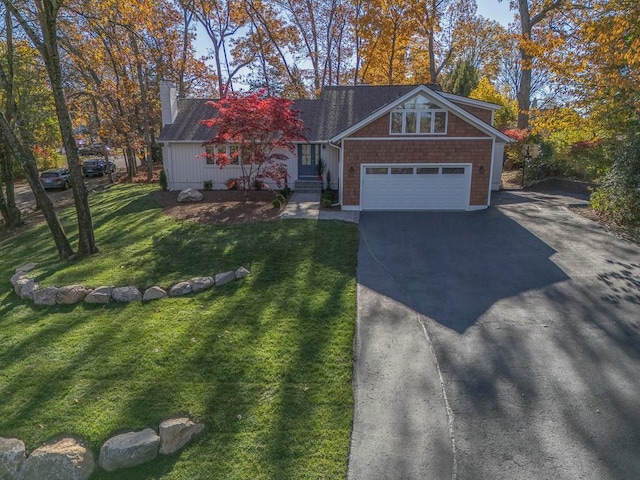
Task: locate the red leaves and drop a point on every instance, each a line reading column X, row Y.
column 262, row 127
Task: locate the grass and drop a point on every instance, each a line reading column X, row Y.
column 264, row 362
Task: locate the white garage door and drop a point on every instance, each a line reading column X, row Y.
column 415, row 187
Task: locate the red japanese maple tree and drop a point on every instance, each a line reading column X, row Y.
column 262, row 128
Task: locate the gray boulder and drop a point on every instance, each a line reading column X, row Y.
column 21, row 282
column 12, row 456
column 126, row 294
column 225, row 277
column 71, row 294
column 175, row 433
column 99, row 295
column 189, row 195
column 242, row 273
column 15, row 277
column 27, row 289
column 129, row 449
column 45, row 296
column 200, row 284
column 180, row 288
column 154, row 293
column 66, row 459
column 26, row 268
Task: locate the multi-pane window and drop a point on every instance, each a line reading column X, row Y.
column 418, row 116
column 231, row 150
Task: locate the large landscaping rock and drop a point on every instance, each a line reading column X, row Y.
column 189, row 195
column 20, row 282
column 180, row 288
column 26, row 268
column 129, row 450
column 66, row 459
column 242, row 273
column 200, row 284
column 27, row 289
column 226, row 277
column 15, row 277
column 175, row 433
column 12, row 456
column 154, row 293
column 99, row 295
column 71, row 294
column 45, row 296
column 126, row 294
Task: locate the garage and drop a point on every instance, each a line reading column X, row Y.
column 415, row 187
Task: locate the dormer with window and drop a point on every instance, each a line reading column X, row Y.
column 418, row 116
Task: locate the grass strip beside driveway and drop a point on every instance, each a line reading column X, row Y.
column 265, row 362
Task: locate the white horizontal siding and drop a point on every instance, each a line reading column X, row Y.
column 331, row 156
column 185, row 167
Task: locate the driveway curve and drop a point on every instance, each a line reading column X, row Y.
column 501, row 344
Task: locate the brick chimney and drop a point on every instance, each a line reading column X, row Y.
column 168, row 101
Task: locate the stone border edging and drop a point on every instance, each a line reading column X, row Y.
column 69, row 457
column 29, row 289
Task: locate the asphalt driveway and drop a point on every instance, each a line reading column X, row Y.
column 499, row 344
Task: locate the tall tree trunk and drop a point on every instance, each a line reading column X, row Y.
column 10, row 211
column 145, row 107
column 28, row 162
column 47, row 45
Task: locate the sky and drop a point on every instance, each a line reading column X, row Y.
column 494, row 10
column 491, row 9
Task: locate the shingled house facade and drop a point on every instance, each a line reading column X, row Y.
column 386, row 147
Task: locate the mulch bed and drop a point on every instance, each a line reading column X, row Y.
column 222, row 207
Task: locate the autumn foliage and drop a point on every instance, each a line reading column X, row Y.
column 263, row 128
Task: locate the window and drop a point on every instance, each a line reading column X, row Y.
column 401, row 171
column 418, row 116
column 376, row 171
column 213, row 151
column 452, row 170
column 427, row 170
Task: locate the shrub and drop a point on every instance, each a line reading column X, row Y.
column 208, row 185
column 286, row 191
column 618, row 197
column 277, row 203
column 328, row 179
column 163, row 180
column 259, row 184
column 327, row 203
column 233, row 183
column 280, row 198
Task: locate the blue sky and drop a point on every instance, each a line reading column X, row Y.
column 495, row 10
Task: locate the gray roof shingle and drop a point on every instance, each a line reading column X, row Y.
column 337, row 109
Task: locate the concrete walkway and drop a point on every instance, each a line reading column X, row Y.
column 306, row 205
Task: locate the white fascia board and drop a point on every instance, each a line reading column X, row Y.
column 437, row 97
column 471, row 101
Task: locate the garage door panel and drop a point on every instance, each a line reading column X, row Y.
column 441, row 187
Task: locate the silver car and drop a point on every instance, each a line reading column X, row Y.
column 55, row 178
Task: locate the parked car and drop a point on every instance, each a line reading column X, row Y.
column 55, row 178
column 97, row 167
column 93, row 149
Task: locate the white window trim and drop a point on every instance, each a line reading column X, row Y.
column 227, row 150
column 418, row 111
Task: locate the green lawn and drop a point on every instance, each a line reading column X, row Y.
column 264, row 362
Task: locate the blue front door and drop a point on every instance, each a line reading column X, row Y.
column 308, row 156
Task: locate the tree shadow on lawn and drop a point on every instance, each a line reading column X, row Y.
column 266, row 348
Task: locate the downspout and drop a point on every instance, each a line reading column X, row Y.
column 491, row 169
column 340, row 169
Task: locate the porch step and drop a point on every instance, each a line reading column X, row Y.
column 308, row 186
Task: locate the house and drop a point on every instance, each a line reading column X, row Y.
column 396, row 147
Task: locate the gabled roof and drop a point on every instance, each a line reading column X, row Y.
column 187, row 127
column 338, row 112
column 433, row 95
